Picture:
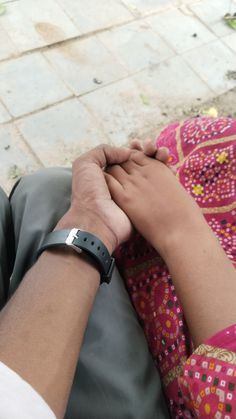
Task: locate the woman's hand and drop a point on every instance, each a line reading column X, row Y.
column 168, row 217
column 150, row 149
column 152, row 197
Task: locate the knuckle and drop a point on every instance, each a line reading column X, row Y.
column 102, row 146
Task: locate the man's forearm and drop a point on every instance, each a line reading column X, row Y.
column 42, row 327
column 204, row 278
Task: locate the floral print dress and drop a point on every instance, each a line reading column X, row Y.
column 198, row 382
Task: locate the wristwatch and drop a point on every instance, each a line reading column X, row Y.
column 83, row 241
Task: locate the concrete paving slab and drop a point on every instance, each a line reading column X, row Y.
column 59, row 134
column 144, row 7
column 16, row 159
column 28, row 83
column 136, row 46
column 92, row 15
column 122, row 110
column 32, row 24
column 230, row 41
column 4, row 115
column 213, row 62
column 7, row 49
column 172, row 84
column 85, row 65
column 211, row 12
column 143, row 72
column 182, row 32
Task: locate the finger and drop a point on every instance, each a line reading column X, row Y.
column 129, row 166
column 163, row 154
column 118, row 173
column 139, row 158
column 115, row 188
column 136, row 145
column 105, row 155
column 150, row 149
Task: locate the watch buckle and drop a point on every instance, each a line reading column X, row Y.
column 72, row 236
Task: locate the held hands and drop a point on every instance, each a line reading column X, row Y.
column 112, row 187
column 92, row 207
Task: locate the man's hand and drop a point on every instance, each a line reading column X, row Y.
column 92, row 207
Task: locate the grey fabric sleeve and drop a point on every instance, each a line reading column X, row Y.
column 115, row 377
column 6, row 246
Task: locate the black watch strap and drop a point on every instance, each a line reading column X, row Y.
column 82, row 241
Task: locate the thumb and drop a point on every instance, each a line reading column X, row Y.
column 106, row 155
column 115, row 188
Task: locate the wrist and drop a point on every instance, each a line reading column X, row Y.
column 173, row 242
column 69, row 262
column 90, row 222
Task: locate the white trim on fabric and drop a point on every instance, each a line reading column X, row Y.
column 18, row 399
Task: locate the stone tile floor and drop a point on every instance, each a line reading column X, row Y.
column 77, row 73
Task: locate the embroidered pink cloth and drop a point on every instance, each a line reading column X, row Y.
column 200, row 383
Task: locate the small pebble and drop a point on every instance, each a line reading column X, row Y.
column 97, row 81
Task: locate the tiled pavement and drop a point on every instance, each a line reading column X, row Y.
column 75, row 73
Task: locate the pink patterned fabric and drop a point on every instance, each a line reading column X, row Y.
column 200, row 383
column 209, row 378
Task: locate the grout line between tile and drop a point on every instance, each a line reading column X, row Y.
column 18, row 118
column 91, row 33
column 31, row 151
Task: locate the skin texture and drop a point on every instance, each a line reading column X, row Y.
column 42, row 326
column 167, row 216
column 144, row 186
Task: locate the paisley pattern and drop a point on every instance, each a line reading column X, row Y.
column 198, row 383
